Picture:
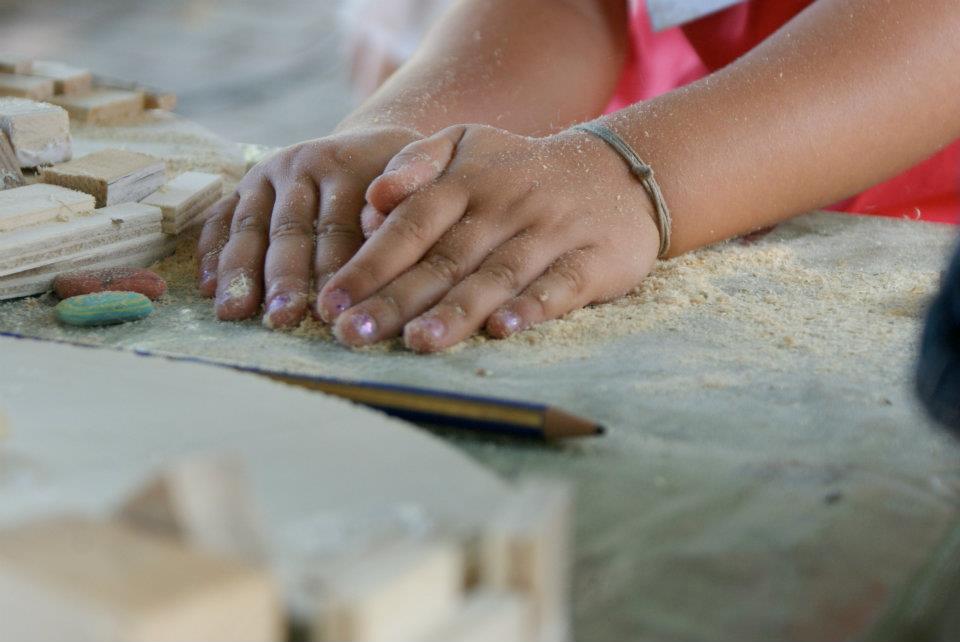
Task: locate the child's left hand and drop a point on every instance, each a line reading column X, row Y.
column 490, row 229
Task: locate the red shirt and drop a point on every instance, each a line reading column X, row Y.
column 660, row 62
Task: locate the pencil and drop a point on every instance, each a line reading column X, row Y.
column 452, row 410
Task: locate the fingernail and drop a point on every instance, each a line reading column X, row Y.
column 364, row 325
column 508, row 320
column 428, row 329
column 277, row 304
column 206, row 275
column 334, row 303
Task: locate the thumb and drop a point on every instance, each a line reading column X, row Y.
column 415, row 166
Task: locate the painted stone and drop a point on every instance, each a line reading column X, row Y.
column 119, row 279
column 103, row 308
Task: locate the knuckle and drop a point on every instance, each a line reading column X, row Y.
column 504, row 275
column 286, row 225
column 409, row 230
column 248, row 220
column 444, row 268
column 328, row 230
column 572, row 278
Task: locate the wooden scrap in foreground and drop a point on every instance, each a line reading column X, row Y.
column 526, row 548
column 102, row 106
column 39, row 203
column 112, row 176
column 26, row 86
column 72, row 578
column 66, row 78
column 401, row 592
column 203, row 502
column 39, row 132
column 153, row 98
column 185, row 198
column 10, row 174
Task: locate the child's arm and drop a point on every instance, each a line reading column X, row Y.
column 505, row 62
column 516, row 231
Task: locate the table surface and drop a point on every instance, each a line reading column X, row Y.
column 766, row 474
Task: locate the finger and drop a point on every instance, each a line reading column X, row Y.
column 463, row 311
column 240, row 268
column 414, row 167
column 401, row 241
column 457, row 254
column 338, row 229
column 572, row 282
column 289, row 257
column 215, row 233
column 370, row 220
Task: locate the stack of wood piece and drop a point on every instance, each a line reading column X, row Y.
column 185, row 558
column 85, row 213
column 87, row 97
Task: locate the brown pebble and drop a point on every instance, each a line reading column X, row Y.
column 118, row 279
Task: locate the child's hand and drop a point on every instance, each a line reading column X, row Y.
column 294, row 215
column 487, row 228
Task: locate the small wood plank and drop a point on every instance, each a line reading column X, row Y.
column 39, row 132
column 154, row 98
column 143, row 251
column 26, row 86
column 41, row 245
column 66, row 79
column 112, row 176
column 10, row 174
column 103, row 106
column 526, row 548
column 72, row 578
column 204, row 503
column 15, row 64
column 400, row 592
column 487, row 616
column 185, row 198
column 35, row 204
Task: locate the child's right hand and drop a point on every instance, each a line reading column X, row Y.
column 294, row 216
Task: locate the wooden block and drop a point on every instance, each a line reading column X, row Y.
column 10, row 174
column 66, row 79
column 138, row 252
column 39, row 132
column 71, row 578
column 111, row 176
column 185, row 198
column 401, row 592
column 36, row 204
column 153, row 98
column 15, row 64
column 487, row 616
column 103, row 106
column 34, row 247
column 526, row 548
column 205, row 503
column 26, row 86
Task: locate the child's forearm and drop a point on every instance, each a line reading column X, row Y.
column 528, row 66
column 848, row 94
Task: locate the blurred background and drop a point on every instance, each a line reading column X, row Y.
column 258, row 71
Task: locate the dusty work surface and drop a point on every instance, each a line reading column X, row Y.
column 766, row 476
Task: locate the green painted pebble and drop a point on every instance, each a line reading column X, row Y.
column 103, row 308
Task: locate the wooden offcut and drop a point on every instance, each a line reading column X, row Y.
column 39, row 132
column 185, row 198
column 487, row 616
column 10, row 174
column 154, row 98
column 111, row 176
column 73, row 578
column 40, row 245
column 103, row 106
column 35, row 204
column 203, row 502
column 30, row 87
column 66, row 78
column 526, row 548
column 401, row 592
